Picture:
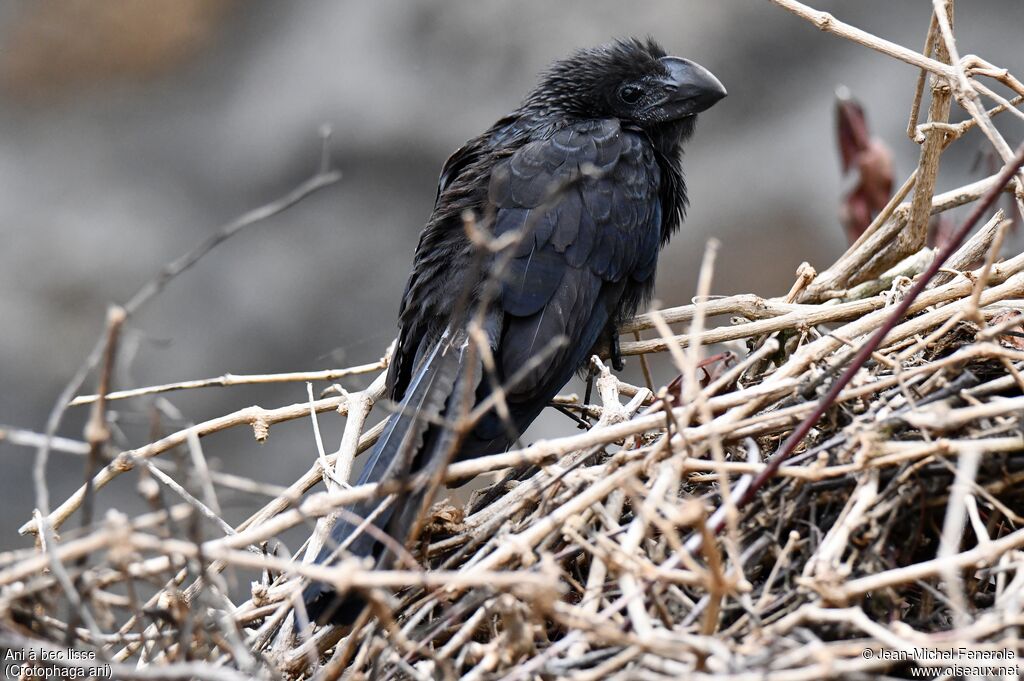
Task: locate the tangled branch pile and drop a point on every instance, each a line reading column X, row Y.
column 895, row 527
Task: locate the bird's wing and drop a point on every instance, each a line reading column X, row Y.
column 472, row 151
column 586, row 203
column 465, row 155
column 430, row 286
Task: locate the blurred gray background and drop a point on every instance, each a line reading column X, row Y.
column 131, row 129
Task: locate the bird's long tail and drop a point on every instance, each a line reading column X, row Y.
column 411, row 442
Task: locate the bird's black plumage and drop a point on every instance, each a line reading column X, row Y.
column 587, row 173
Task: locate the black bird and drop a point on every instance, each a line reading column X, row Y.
column 586, row 172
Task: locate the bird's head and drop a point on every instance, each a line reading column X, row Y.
column 632, row 80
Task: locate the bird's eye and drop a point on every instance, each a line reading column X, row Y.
column 630, row 94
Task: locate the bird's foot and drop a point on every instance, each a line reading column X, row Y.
column 616, row 353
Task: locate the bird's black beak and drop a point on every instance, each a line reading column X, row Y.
column 690, row 87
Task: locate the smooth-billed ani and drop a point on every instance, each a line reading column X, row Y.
column 584, row 181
